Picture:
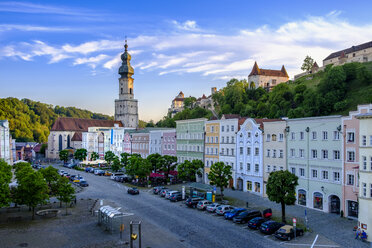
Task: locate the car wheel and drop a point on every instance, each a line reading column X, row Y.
column 289, row 238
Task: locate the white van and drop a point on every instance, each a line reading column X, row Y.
column 113, row 175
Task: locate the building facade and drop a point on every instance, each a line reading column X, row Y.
column 126, row 107
column 212, row 136
column 360, row 53
column 274, row 145
column 314, row 154
column 365, row 173
column 265, row 78
column 141, row 143
column 169, row 143
column 5, row 139
column 155, row 141
column 177, row 104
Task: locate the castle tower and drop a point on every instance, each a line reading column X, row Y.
column 126, row 107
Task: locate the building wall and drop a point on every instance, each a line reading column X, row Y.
column 365, row 173
column 262, row 81
column 228, row 129
column 141, row 144
column 127, row 146
column 249, row 151
column 155, row 141
column 169, row 143
column 302, row 144
column 358, row 56
column 53, row 143
column 5, row 147
column 212, row 136
column 274, row 149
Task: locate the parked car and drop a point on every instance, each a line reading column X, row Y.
column 72, row 177
column 113, row 175
column 169, row 193
column 270, row 227
column 163, row 192
column 107, row 173
column 202, row 205
column 246, row 216
column 83, row 183
column 221, row 210
column 157, row 189
column 256, row 222
column 231, row 214
column 172, row 193
column 61, row 172
column 287, row 233
column 133, row 191
column 192, row 202
column 212, row 208
column 99, row 172
column 176, row 197
column 88, row 169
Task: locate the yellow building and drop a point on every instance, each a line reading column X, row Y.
column 211, row 156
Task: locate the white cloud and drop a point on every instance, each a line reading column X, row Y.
column 187, row 25
column 29, row 28
column 91, row 61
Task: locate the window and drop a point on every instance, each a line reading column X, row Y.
column 241, row 150
column 273, row 137
column 268, row 153
column 232, row 128
column 249, row 185
column 281, row 137
column 274, row 153
column 207, row 139
column 223, row 129
column 364, row 159
column 281, row 154
column 364, row 140
column 268, row 136
column 227, row 151
column 241, row 166
column 350, row 156
column 257, row 187
column 232, row 151
column 222, row 150
column 256, row 168
column 325, row 154
column 293, row 153
column 336, row 176
column 325, row 135
column 314, row 135
column 293, row 171
column 281, row 168
column 302, row 153
column 216, row 139
column 268, row 168
column 232, row 139
column 364, row 189
column 350, row 179
column 256, row 151
column 216, row 150
column 248, row 167
column 370, row 163
column 302, row 136
column 370, row 140
column 274, row 168
column 350, row 137
column 336, row 135
column 248, row 151
column 223, row 140
column 336, row 155
column 325, row 175
column 314, row 173
column 293, row 136
column 370, row 190
column 314, row 153
column 249, row 134
column 302, row 172
column 227, row 128
column 227, row 139
column 212, row 128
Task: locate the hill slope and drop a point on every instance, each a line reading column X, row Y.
column 31, row 121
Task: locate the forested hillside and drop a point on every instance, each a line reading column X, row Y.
column 336, row 90
column 31, row 121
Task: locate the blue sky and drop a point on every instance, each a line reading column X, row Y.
column 67, row 53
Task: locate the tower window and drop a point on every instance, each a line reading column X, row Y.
column 131, row 91
column 121, row 90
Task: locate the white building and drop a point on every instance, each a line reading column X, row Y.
column 5, row 151
column 155, row 141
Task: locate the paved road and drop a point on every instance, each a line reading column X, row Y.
column 183, row 226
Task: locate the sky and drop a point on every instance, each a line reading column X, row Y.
column 67, row 53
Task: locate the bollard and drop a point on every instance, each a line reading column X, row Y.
column 133, row 236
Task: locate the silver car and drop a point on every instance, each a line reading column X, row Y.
column 221, row 210
column 203, row 204
column 212, row 208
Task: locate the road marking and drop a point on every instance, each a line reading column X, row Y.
column 312, row 246
column 287, row 243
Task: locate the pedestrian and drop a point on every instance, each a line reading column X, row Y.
column 357, row 233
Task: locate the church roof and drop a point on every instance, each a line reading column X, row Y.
column 81, row 125
column 267, row 72
column 126, row 69
column 349, row 50
column 78, row 136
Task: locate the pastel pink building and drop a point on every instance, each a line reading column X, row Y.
column 127, row 143
column 351, row 160
column 141, row 143
column 169, row 143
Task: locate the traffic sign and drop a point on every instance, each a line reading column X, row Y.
column 294, row 221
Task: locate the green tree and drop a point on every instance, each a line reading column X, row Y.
column 219, row 175
column 80, row 154
column 188, row 170
column 189, row 101
column 65, row 191
column 50, row 175
column 94, row 156
column 5, row 179
column 308, row 64
column 150, row 124
column 116, row 165
column 109, row 157
column 32, row 188
column 155, row 161
column 138, row 166
column 43, row 148
column 63, row 155
column 124, row 159
column 169, row 163
column 281, row 188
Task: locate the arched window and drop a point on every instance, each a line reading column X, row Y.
column 60, row 143
column 68, row 141
column 318, row 200
column 273, row 137
column 302, row 197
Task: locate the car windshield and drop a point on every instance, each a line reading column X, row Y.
column 234, row 211
column 282, row 230
column 243, row 213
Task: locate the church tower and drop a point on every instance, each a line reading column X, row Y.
column 126, row 107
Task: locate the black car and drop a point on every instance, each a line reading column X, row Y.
column 255, row 223
column 270, row 227
column 192, row 202
column 83, row 183
column 176, row 197
column 133, row 191
column 246, row 216
column 287, row 233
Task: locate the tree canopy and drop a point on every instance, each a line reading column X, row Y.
column 5, row 179
column 80, row 154
column 219, row 175
column 308, row 64
column 188, row 170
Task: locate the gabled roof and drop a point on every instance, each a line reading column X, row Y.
column 81, row 125
column 261, row 121
column 230, row 116
column 267, row 72
column 349, row 50
column 37, row 147
column 78, row 136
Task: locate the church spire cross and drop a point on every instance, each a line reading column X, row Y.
column 126, row 45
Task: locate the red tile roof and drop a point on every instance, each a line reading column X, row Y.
column 349, row 50
column 81, row 125
column 265, row 72
column 78, row 136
